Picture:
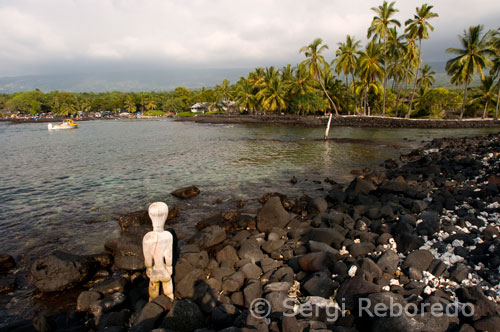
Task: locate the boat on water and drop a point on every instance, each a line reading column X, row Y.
column 66, row 124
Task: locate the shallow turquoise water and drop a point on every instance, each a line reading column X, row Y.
column 65, row 188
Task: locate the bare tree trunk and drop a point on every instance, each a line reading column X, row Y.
column 401, row 87
column 416, row 78
column 498, row 100
column 365, row 109
column 385, row 76
column 328, row 126
column 354, row 94
column 348, row 93
column 463, row 102
column 485, row 108
column 328, row 96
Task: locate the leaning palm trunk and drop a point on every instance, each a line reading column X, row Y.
column 463, row 102
column 328, row 96
column 485, row 108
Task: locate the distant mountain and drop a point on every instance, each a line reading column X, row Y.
column 162, row 80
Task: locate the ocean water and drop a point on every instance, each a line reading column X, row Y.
column 66, row 188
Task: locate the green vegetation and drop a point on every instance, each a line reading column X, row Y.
column 384, row 77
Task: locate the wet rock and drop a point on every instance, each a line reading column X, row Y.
column 419, row 259
column 320, row 284
column 7, row 263
column 228, row 253
column 134, row 219
column 460, row 272
column 359, row 186
column 148, row 318
column 353, row 288
column 111, row 286
column 209, row 237
column 272, row 215
column 317, row 261
column 251, row 271
column 234, row 282
column 252, row 291
column 112, row 302
column 360, row 249
column 85, row 299
column 186, row 288
column 487, row 324
column 329, row 236
column 278, row 301
column 7, row 283
column 315, row 246
column 128, row 254
column 185, row 316
column 186, row 192
column 317, row 205
column 224, row 315
column 388, row 262
column 60, row 271
column 117, row 320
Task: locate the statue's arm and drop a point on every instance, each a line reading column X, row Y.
column 147, row 250
column 169, row 255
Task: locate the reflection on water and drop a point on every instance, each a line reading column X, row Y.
column 66, row 188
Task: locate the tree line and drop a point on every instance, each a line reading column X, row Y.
column 385, row 77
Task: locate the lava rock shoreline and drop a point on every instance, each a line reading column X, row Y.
column 423, row 231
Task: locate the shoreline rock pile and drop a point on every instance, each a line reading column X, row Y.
column 420, row 235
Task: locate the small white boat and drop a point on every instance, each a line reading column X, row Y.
column 66, row 124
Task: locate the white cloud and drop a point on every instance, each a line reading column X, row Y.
column 203, row 32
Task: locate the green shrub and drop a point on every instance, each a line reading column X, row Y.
column 186, row 114
column 154, row 113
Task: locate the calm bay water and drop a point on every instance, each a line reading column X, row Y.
column 65, row 189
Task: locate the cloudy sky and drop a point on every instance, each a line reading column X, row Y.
column 68, row 36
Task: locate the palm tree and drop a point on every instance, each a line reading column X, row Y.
column 273, row 95
column 486, row 93
column 224, row 93
column 371, row 68
column 301, row 82
column 129, row 104
column 426, row 79
column 411, row 57
column 419, row 27
column 379, row 28
column 150, row 103
column 245, row 94
column 315, row 62
column 472, row 58
column 347, row 56
column 394, row 51
column 495, row 69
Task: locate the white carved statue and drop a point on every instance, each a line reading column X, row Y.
column 158, row 248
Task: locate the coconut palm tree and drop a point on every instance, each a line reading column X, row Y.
column 129, row 104
column 495, row 69
column 394, row 52
column 471, row 58
column 411, row 58
column 301, row 82
column 379, row 28
column 224, row 92
column 486, row 93
column 426, row 78
column 315, row 63
column 371, row 68
column 245, row 94
column 273, row 95
column 347, row 56
column 419, row 28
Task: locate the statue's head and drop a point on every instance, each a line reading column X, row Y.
column 158, row 212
